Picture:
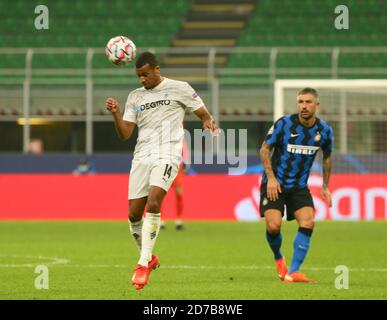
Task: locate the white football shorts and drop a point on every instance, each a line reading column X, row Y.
column 148, row 172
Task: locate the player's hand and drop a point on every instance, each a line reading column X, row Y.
column 212, row 126
column 326, row 195
column 111, row 105
column 273, row 188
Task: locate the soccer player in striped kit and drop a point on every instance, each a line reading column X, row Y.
column 296, row 140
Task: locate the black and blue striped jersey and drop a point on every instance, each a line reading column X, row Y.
column 295, row 148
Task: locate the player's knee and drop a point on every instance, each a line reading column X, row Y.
column 307, row 223
column 153, row 206
column 179, row 191
column 134, row 217
column 273, row 228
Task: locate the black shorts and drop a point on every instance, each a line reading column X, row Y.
column 293, row 199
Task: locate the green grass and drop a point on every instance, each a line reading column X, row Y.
column 218, row 260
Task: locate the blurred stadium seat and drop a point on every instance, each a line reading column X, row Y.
column 296, row 40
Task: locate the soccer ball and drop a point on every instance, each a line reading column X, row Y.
column 120, row 50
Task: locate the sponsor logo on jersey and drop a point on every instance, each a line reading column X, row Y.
column 152, row 105
column 298, row 149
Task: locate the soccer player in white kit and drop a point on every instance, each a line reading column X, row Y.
column 158, row 110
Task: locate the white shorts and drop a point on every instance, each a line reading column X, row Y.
column 155, row 172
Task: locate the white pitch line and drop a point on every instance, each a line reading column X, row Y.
column 62, row 262
column 122, row 266
column 55, row 261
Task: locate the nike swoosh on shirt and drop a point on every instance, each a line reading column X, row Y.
column 294, row 135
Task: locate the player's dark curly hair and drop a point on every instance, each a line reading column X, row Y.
column 147, row 58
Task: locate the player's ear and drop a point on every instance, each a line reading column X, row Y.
column 318, row 105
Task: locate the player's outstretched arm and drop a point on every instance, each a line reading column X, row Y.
column 124, row 128
column 273, row 187
column 327, row 169
column 207, row 120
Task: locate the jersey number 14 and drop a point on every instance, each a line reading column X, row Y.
column 167, row 171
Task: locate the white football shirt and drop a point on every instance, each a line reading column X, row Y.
column 159, row 114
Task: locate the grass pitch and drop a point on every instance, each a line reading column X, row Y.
column 209, row 260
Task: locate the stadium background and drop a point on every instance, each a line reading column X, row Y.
column 230, row 51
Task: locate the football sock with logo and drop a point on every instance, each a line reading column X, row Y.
column 135, row 228
column 301, row 246
column 275, row 242
column 150, row 230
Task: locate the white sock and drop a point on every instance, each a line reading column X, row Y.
column 150, row 231
column 136, row 232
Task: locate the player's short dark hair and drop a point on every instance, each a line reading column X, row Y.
column 147, row 58
column 309, row 90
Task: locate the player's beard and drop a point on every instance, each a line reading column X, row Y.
column 306, row 115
